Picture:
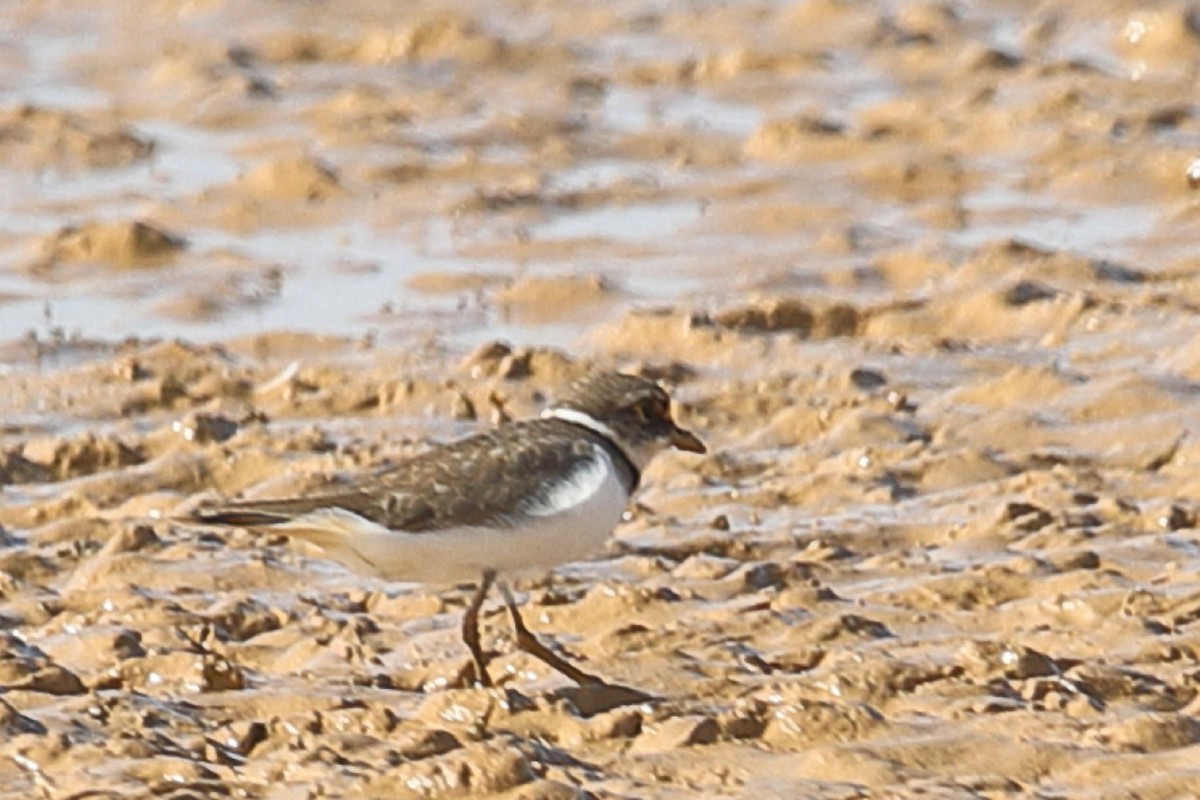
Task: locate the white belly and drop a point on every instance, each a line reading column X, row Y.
column 570, row 523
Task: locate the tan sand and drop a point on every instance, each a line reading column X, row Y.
column 922, row 274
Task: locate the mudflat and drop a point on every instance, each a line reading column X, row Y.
column 923, row 275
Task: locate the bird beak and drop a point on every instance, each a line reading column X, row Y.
column 686, row 440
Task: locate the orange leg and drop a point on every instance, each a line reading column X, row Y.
column 528, row 642
column 470, row 627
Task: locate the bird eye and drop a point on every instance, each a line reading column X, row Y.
column 652, row 408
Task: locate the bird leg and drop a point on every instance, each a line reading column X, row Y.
column 470, row 627
column 528, row 642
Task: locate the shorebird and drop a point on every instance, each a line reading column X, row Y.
column 530, row 494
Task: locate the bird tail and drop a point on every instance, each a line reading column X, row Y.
column 355, row 541
column 253, row 513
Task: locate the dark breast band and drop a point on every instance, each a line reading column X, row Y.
column 628, row 473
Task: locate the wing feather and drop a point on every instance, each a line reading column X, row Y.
column 467, row 483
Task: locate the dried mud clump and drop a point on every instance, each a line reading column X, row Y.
column 804, row 319
column 70, row 458
column 37, row 138
column 16, row 468
column 538, row 300
column 802, row 138
column 445, row 36
column 301, row 179
column 122, row 245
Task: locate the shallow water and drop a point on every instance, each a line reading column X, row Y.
column 658, row 242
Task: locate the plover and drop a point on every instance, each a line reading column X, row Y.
column 531, row 494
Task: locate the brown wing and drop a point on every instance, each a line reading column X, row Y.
column 479, row 480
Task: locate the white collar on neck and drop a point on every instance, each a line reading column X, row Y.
column 585, row 420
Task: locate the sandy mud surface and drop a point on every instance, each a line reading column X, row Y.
column 924, row 276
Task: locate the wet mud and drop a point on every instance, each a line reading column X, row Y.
column 923, row 275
